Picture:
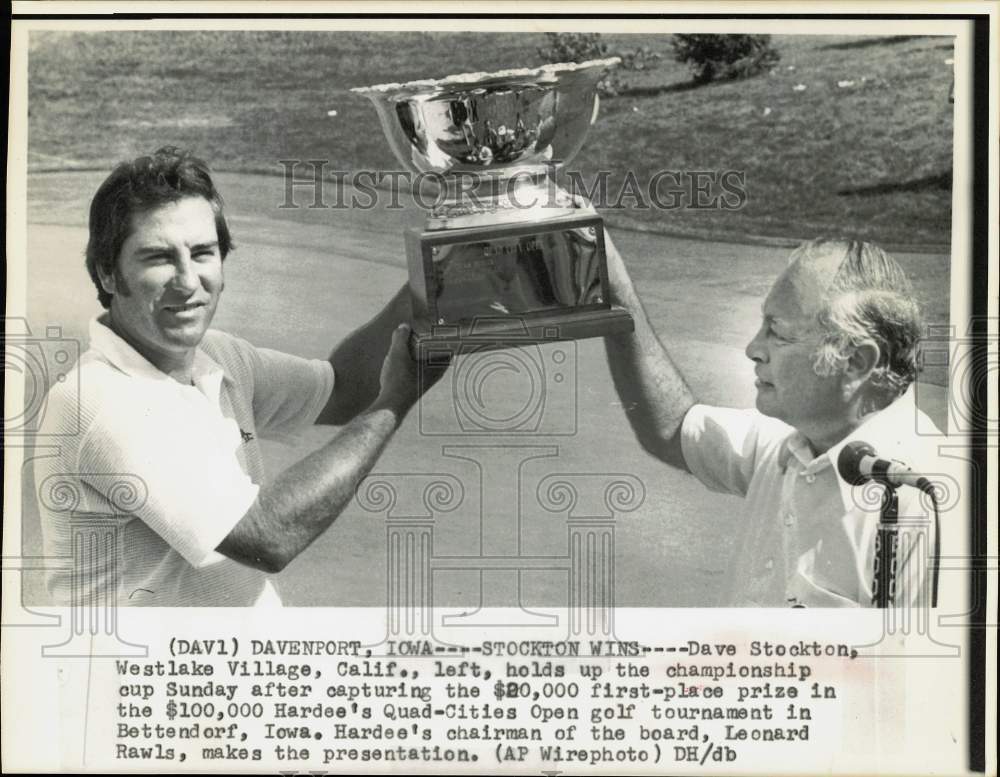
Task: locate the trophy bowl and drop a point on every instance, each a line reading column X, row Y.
column 531, row 120
column 505, row 257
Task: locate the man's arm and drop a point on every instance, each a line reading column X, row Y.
column 653, row 393
column 303, row 501
column 357, row 362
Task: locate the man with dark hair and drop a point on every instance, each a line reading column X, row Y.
column 174, row 411
column 835, row 357
column 143, row 184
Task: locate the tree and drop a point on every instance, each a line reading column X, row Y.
column 723, row 57
column 583, row 46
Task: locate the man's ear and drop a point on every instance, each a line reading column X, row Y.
column 107, row 280
column 860, row 365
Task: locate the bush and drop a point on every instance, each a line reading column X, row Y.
column 722, row 57
column 582, row 46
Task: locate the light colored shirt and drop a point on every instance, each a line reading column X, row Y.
column 808, row 537
column 173, row 467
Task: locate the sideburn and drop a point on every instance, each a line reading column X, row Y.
column 121, row 287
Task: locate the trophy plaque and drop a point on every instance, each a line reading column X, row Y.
column 506, row 257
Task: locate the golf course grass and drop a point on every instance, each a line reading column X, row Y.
column 844, row 136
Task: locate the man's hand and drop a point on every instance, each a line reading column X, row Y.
column 399, row 377
column 619, row 281
column 403, row 380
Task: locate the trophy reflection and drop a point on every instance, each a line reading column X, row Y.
column 504, row 251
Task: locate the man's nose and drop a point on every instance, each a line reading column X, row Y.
column 756, row 349
column 186, row 274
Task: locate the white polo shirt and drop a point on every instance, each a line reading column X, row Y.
column 809, row 537
column 175, row 467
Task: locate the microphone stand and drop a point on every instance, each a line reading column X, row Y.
column 886, row 546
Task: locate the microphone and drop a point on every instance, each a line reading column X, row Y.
column 858, row 463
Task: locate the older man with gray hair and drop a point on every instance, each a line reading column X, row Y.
column 835, row 358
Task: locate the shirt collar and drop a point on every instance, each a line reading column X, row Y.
column 124, row 357
column 881, row 430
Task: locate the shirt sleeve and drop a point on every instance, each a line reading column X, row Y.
column 722, row 446
column 288, row 392
column 191, row 495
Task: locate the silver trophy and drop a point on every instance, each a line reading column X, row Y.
column 505, row 256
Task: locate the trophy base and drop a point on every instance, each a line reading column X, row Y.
column 506, row 285
column 445, row 341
